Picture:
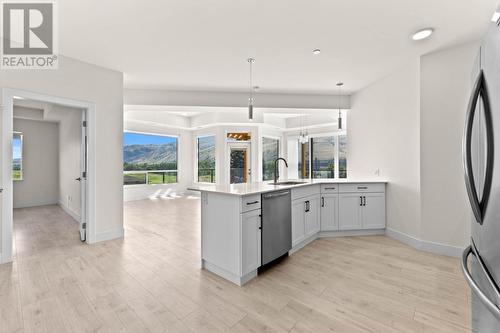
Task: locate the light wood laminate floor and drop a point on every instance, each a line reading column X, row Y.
column 151, row 282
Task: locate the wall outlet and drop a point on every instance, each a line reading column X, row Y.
column 377, row 172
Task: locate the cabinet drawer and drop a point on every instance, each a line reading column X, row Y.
column 329, row 188
column 305, row 191
column 367, row 188
column 250, row 202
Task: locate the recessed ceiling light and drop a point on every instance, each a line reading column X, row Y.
column 422, row 34
column 316, row 51
column 495, row 17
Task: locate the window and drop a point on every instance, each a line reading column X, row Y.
column 206, row 159
column 321, row 157
column 270, row 152
column 17, row 156
column 149, row 159
column 343, row 156
column 323, row 150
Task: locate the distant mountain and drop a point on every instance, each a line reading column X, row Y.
column 151, row 154
column 16, row 163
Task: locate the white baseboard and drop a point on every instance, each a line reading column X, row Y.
column 109, row 235
column 423, row 245
column 348, row 233
column 70, row 212
column 238, row 280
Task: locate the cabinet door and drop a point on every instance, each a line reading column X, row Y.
column 250, row 241
column 350, row 211
column 329, row 212
column 298, row 208
column 312, row 223
column 374, row 211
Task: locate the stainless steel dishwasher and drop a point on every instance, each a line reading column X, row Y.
column 276, row 225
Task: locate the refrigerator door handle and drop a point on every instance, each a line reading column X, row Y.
column 492, row 307
column 478, row 207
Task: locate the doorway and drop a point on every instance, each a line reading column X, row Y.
column 15, row 168
column 239, row 163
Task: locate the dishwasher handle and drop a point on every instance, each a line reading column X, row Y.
column 275, row 194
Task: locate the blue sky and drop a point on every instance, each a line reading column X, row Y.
column 145, row 139
column 16, row 148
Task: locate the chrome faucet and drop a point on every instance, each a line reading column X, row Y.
column 276, row 168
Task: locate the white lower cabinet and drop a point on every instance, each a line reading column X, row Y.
column 250, row 241
column 329, row 212
column 305, row 218
column 373, row 211
column 361, row 211
column 298, row 221
column 350, row 211
column 311, row 216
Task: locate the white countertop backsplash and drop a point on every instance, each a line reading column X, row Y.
column 263, row 187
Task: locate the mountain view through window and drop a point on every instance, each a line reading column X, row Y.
column 149, row 159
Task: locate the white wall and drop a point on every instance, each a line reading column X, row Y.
column 409, row 126
column 40, row 184
column 384, row 135
column 445, row 89
column 103, row 87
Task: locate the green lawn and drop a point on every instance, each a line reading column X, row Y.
column 17, row 175
column 154, row 178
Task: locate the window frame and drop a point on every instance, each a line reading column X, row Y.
column 311, row 152
column 22, row 156
column 196, row 168
column 280, row 149
column 146, row 172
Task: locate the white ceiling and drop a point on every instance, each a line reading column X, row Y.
column 203, row 45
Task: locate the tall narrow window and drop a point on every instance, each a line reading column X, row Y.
column 149, row 159
column 323, row 150
column 270, row 152
column 303, row 160
column 17, row 156
column 343, row 156
column 206, row 159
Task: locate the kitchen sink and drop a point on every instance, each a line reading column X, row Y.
column 287, row 183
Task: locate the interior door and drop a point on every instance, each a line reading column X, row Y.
column 239, row 163
column 83, row 179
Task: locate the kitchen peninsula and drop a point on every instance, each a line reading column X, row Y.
column 232, row 218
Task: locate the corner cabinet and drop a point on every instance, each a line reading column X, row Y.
column 361, row 206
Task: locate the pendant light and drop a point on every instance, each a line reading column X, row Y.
column 304, row 135
column 250, row 99
column 340, row 84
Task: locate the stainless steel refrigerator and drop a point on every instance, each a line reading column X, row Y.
column 481, row 154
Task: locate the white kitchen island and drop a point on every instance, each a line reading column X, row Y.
column 231, row 219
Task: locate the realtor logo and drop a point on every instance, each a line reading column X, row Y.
column 28, row 32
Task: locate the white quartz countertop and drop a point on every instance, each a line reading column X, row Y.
column 263, row 187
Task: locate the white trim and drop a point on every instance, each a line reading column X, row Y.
column 69, row 211
column 152, row 134
column 238, row 280
column 108, row 235
column 6, row 142
column 351, row 233
column 423, row 245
